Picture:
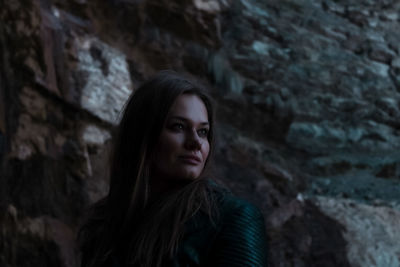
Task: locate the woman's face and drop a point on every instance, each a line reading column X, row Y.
column 183, row 147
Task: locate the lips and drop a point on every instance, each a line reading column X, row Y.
column 191, row 159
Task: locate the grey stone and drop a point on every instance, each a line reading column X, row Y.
column 108, row 81
column 391, row 15
column 396, row 63
column 380, row 52
column 378, row 69
column 95, row 136
column 261, row 48
column 371, row 232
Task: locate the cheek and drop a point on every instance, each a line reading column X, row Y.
column 169, row 145
column 206, row 150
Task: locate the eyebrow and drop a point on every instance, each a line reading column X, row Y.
column 187, row 120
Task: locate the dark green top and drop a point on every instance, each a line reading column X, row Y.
column 238, row 238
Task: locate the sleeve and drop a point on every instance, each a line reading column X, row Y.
column 242, row 240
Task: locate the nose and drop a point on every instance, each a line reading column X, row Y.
column 193, row 141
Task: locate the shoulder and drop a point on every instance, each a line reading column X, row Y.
column 241, row 239
column 232, row 204
column 235, row 210
column 232, row 207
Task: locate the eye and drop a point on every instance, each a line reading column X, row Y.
column 177, row 126
column 203, row 132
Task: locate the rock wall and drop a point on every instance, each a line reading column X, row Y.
column 308, row 107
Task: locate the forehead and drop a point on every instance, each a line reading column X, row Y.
column 190, row 107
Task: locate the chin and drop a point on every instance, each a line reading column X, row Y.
column 189, row 175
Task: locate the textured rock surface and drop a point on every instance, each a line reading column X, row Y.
column 308, row 97
column 106, row 78
column 371, row 232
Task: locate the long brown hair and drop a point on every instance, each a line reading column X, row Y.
column 125, row 224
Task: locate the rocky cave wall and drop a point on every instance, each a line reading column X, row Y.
column 308, row 111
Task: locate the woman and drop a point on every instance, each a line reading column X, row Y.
column 162, row 209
